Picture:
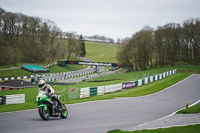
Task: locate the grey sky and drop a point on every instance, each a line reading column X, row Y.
column 112, row 18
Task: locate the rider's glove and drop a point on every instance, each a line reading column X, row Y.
column 48, row 95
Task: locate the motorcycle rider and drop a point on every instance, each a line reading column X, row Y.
column 49, row 91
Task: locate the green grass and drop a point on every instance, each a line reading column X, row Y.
column 188, row 68
column 14, row 73
column 134, row 92
column 101, row 52
column 184, row 129
column 94, row 51
column 30, row 94
column 140, row 91
column 190, row 110
column 131, row 76
column 137, row 91
column 58, row 69
column 53, row 69
column 12, row 65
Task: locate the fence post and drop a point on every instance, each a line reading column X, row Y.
column 64, row 94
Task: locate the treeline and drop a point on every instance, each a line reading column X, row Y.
column 99, row 38
column 166, row 45
column 35, row 40
column 102, row 38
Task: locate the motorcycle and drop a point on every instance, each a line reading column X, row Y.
column 49, row 107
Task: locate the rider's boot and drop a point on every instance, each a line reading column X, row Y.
column 60, row 104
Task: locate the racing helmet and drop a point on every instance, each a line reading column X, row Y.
column 42, row 84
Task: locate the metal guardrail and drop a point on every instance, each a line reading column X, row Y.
column 12, row 99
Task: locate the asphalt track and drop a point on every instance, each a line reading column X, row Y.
column 102, row 116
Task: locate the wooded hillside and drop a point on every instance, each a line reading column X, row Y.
column 35, row 40
column 166, row 45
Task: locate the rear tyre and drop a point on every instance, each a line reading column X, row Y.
column 64, row 112
column 44, row 114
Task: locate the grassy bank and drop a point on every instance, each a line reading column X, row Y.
column 137, row 91
column 53, row 69
column 101, row 52
column 131, row 76
column 182, row 72
column 191, row 110
column 185, row 129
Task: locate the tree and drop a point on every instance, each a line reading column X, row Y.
column 82, row 45
column 125, row 56
column 28, row 39
column 73, row 45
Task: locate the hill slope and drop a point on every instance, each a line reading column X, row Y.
column 101, row 52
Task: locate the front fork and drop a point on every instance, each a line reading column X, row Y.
column 43, row 105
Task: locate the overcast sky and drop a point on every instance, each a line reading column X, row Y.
column 112, row 18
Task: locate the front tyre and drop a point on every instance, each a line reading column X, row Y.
column 44, row 114
column 64, row 112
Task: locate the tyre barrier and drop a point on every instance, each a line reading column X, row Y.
column 100, row 90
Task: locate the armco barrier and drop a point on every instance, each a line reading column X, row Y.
column 156, row 77
column 51, row 79
column 85, row 92
column 140, row 82
column 146, row 81
column 151, row 79
column 113, row 88
column 143, row 81
column 100, row 90
column 2, row 100
column 136, row 83
column 61, row 83
column 93, row 91
column 44, row 75
column 128, row 85
column 164, row 75
column 13, row 78
column 161, row 76
column 12, row 99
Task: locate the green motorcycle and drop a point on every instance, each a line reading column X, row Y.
column 49, row 107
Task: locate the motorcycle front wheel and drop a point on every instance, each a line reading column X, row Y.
column 44, row 114
column 64, row 112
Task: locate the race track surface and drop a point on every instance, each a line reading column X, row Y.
column 102, row 116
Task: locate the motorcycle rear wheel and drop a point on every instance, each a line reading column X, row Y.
column 44, row 114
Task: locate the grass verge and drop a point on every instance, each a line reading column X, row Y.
column 190, row 110
column 131, row 76
column 137, row 91
column 184, row 129
column 94, row 51
column 53, row 69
